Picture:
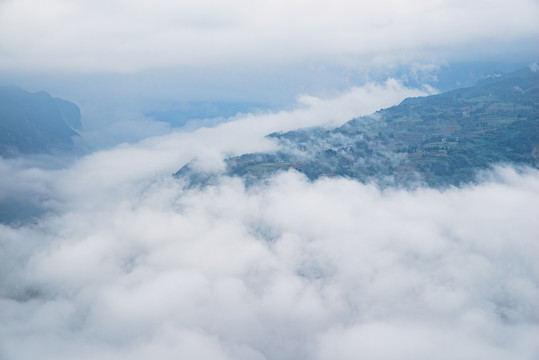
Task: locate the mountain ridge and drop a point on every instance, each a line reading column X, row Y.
column 32, row 123
column 441, row 139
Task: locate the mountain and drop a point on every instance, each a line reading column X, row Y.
column 439, row 140
column 36, row 122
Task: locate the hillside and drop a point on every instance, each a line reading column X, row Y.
column 440, row 139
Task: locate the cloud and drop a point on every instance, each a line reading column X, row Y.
column 127, row 263
column 291, row 270
column 121, row 36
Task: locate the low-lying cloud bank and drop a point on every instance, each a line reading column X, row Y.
column 333, row 269
column 129, row 263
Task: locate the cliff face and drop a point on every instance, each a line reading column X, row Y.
column 36, row 122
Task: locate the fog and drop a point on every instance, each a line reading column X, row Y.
column 124, row 261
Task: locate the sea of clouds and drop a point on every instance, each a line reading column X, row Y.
column 126, row 262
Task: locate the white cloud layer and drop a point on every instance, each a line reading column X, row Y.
column 125, row 36
column 129, row 264
column 292, row 270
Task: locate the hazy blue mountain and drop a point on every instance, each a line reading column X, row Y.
column 36, row 122
column 441, row 139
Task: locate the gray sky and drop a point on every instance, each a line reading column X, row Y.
column 122, row 36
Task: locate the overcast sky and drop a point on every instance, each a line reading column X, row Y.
column 128, row 36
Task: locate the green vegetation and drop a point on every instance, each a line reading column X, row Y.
column 441, row 139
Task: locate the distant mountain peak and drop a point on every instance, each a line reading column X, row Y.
column 36, row 122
